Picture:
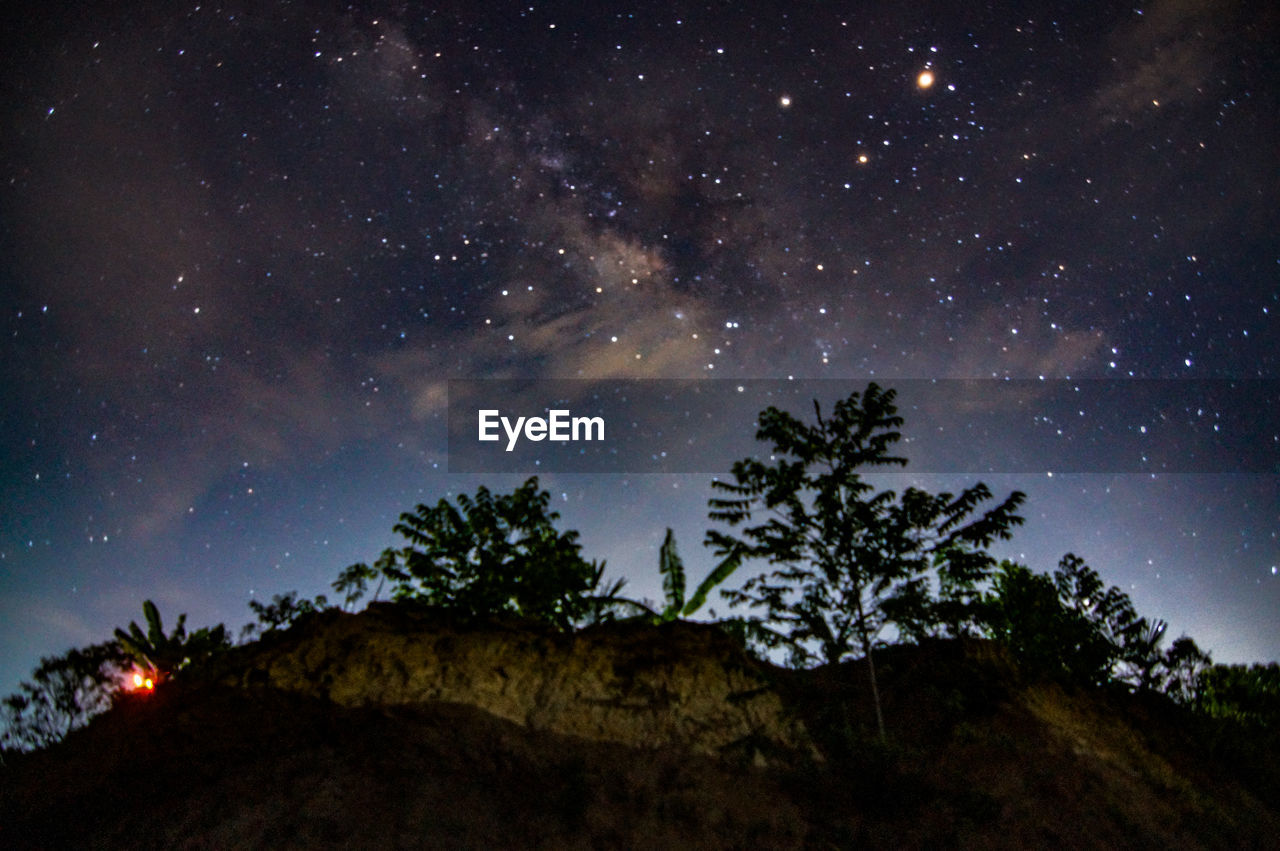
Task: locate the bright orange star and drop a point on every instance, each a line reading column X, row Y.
column 925, row 80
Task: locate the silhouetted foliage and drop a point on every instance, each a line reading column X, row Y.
column 673, row 579
column 1100, row 619
column 852, row 560
column 165, row 655
column 1024, row 613
column 1249, row 694
column 281, row 612
column 1185, row 665
column 354, row 580
column 671, row 567
column 721, row 572
column 64, row 692
column 488, row 555
column 1239, row 711
column 1072, row 628
column 1066, row 626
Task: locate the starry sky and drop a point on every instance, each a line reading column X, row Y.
column 245, row 246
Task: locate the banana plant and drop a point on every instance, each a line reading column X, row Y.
column 673, row 580
column 167, row 654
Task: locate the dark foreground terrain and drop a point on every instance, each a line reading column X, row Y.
column 334, row 735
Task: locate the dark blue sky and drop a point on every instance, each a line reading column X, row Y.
column 245, row 246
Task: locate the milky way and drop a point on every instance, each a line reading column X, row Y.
column 246, row 247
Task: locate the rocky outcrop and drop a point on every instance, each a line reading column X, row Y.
column 680, row 684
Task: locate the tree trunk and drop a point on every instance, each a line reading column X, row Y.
column 875, row 690
column 871, row 669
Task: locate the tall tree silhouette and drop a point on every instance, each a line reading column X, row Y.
column 844, row 551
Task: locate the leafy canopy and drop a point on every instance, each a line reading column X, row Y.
column 64, row 692
column 489, row 555
column 1073, row 628
column 850, row 559
column 281, row 613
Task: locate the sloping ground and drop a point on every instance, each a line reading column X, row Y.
column 221, row 768
column 980, row 759
column 287, row 751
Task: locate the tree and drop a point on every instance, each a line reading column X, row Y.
column 354, row 580
column 1111, row 642
column 1099, row 617
column 281, row 612
column 489, row 555
column 1142, row 660
column 166, row 655
column 64, row 692
column 1073, row 628
column 847, row 556
column 1024, row 614
column 1185, row 665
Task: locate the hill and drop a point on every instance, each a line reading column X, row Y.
column 401, row 727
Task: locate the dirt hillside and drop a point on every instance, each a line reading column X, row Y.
column 399, row 728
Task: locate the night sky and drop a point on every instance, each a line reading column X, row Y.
column 244, row 246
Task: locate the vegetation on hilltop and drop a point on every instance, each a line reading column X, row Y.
column 849, row 561
column 849, row 571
